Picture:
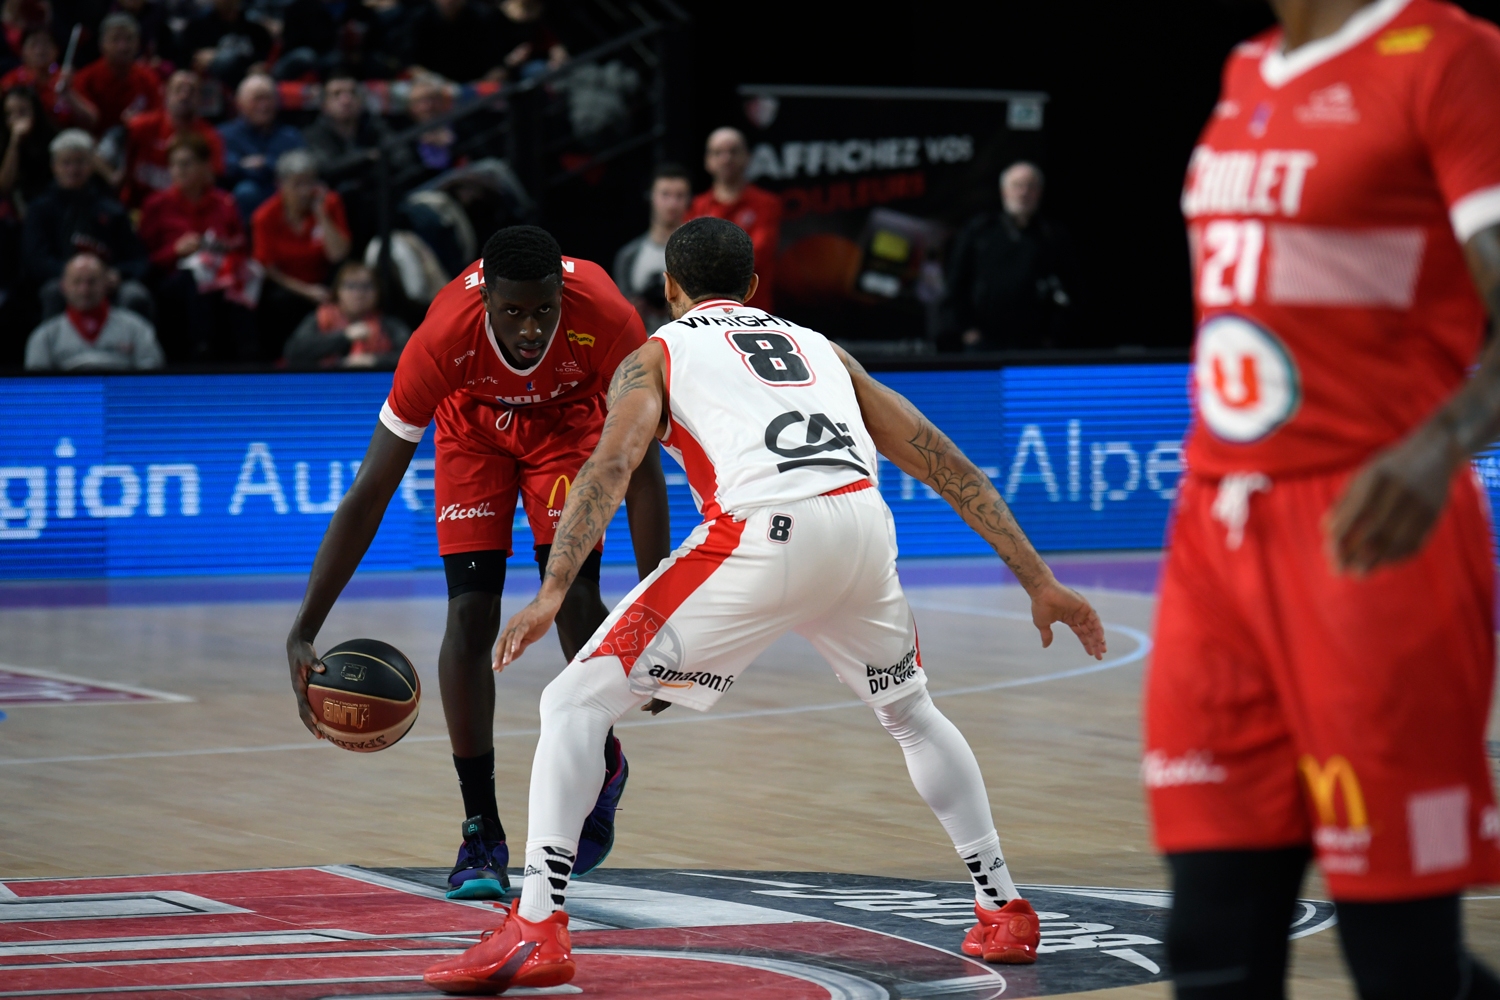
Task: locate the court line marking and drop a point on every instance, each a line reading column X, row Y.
column 55, row 675
column 1142, row 650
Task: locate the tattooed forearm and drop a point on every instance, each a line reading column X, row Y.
column 631, row 375
column 592, row 502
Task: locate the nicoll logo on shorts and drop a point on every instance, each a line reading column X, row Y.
column 882, row 678
column 1196, row 767
column 1341, row 848
column 668, row 677
column 458, row 512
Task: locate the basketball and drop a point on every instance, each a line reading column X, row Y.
column 367, row 698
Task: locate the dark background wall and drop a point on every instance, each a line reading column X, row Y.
column 1131, row 83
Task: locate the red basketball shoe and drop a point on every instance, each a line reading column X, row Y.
column 517, row 953
column 1007, row 936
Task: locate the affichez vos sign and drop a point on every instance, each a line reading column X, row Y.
column 1093, row 938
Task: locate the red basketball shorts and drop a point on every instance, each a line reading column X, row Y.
column 1286, row 705
column 487, row 454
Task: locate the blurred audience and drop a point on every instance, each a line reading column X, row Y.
column 319, row 36
column 26, row 165
column 641, row 263
column 755, row 210
column 299, row 234
column 349, row 331
column 197, row 246
column 253, row 143
column 222, row 43
column 344, row 139
column 119, row 85
column 52, row 83
column 151, row 134
column 76, row 215
column 1010, row 283
column 459, row 40
column 90, row 335
column 530, row 45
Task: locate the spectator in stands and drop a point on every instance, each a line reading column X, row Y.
column 1009, row 275
column 118, row 84
column 151, row 133
column 196, row 243
column 26, row 165
column 223, row 43
column 253, row 143
column 349, row 332
column 74, row 216
column 530, row 45
column 319, row 36
column 53, row 85
column 90, row 335
column 157, row 42
column 459, row 40
column 300, row 233
column 753, row 209
column 345, row 140
column 640, row 264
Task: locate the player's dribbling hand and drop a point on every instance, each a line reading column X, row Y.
column 304, row 663
column 1054, row 602
column 1389, row 507
column 525, row 627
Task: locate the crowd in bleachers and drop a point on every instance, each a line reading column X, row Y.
column 193, row 184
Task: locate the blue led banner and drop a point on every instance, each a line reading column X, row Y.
column 121, row 476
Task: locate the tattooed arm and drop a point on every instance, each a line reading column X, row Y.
column 637, row 408
column 918, row 448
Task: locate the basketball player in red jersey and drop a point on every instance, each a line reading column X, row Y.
column 1325, row 642
column 512, row 361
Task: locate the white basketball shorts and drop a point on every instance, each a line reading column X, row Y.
column 824, row 567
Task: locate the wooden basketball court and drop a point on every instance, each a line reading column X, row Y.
column 150, row 729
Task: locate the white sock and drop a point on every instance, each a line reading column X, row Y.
column 544, row 887
column 993, row 886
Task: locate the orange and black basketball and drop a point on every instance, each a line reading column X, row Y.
column 367, row 697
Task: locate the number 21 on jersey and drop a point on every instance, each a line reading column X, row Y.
column 1231, row 262
column 771, row 357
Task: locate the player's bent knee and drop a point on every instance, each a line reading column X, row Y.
column 907, row 715
column 596, row 686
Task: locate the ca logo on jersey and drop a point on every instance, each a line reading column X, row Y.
column 1247, row 383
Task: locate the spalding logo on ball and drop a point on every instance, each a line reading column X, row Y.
column 367, row 697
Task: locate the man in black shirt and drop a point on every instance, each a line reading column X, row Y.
column 75, row 215
column 1010, row 283
column 223, row 43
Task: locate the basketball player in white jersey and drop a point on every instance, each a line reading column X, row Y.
column 778, row 430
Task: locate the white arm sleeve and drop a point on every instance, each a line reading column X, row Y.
column 399, row 427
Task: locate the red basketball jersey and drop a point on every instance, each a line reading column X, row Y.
column 1326, row 204
column 455, row 350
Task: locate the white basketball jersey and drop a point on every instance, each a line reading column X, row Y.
column 762, row 411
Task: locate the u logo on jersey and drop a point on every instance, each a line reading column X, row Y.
column 1247, row 383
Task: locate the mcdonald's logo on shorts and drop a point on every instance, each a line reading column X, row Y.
column 1341, row 844
column 552, row 506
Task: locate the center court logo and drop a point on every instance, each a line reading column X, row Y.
column 458, row 512
column 1341, row 847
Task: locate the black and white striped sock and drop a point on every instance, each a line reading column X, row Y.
column 544, row 886
column 993, row 886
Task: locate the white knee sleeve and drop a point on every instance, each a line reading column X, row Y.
column 942, row 766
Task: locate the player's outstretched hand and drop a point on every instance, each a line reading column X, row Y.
column 1054, row 602
column 525, row 627
column 1390, row 505
column 304, row 663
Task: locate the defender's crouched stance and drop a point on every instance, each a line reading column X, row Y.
column 778, row 431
